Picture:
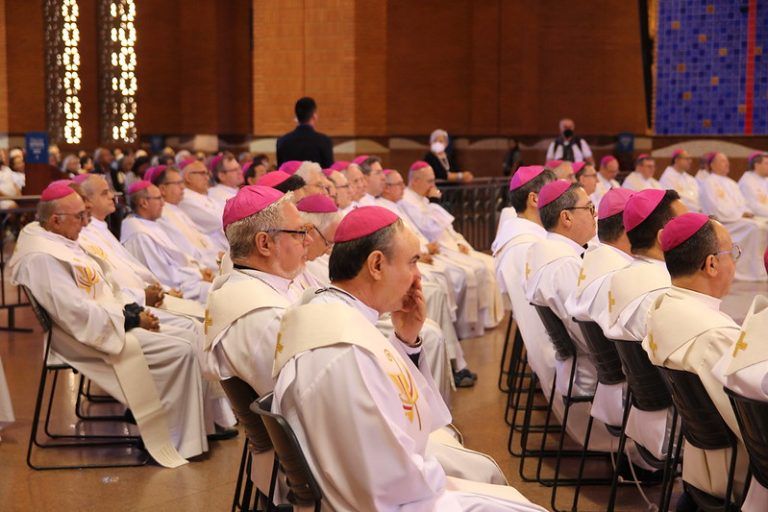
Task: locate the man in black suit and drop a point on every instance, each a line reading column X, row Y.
column 304, row 143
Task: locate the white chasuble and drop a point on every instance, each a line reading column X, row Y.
column 363, row 414
column 687, row 331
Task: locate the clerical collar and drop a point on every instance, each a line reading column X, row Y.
column 280, row 284
column 101, row 224
column 573, row 245
column 368, row 312
column 654, row 261
column 708, row 300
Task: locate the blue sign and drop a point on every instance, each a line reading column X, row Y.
column 156, row 143
column 37, row 147
column 625, row 142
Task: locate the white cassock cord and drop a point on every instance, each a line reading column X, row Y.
column 652, row 507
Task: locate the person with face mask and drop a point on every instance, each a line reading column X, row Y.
column 441, row 159
column 569, row 147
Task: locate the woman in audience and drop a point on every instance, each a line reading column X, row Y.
column 440, row 158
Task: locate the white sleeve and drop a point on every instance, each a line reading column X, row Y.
column 551, row 151
column 586, row 151
column 749, row 189
column 93, row 323
column 429, row 227
column 361, row 442
column 723, row 209
column 205, row 220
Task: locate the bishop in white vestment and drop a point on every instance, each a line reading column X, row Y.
column 606, row 178
column 642, row 177
column 204, row 211
column 721, row 198
column 676, row 177
column 379, row 404
column 687, row 331
column 754, row 185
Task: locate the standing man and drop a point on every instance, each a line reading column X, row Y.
column 568, row 146
column 304, row 143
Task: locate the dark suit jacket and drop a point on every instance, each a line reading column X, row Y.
column 304, row 143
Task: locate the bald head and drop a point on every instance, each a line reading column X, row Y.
column 421, row 180
column 65, row 217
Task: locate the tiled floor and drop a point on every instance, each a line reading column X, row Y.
column 208, row 484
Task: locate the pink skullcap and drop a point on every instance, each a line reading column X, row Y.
column 613, row 202
column 215, row 161
column 680, row 229
column 753, row 155
column 328, row 172
column 765, row 260
column 642, row 156
column 317, row 203
column 290, row 167
column 363, row 221
column 80, row 178
column 418, row 164
column 154, row 172
column 56, row 191
column 272, row 179
column 387, row 172
column 708, row 157
column 246, row 167
column 138, row 185
column 553, row 163
column 551, row 191
column 187, row 162
column 248, row 201
column 677, row 152
column 340, row 165
column 577, row 166
column 360, row 159
column 606, row 160
column 66, row 182
column 640, row 206
column 523, row 175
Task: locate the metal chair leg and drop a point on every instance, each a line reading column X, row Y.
column 502, row 372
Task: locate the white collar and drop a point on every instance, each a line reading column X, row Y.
column 99, row 224
column 368, row 312
column 645, row 259
column 708, row 300
column 277, row 283
column 564, row 239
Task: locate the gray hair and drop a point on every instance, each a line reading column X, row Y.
column 182, row 155
column 320, row 220
column 45, row 210
column 437, row 133
column 306, row 169
column 241, row 234
column 87, row 185
column 365, row 166
column 133, row 199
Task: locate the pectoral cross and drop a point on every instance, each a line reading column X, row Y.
column 740, row 344
column 652, row 344
column 279, row 346
column 582, row 277
column 527, row 270
column 611, row 301
column 208, row 321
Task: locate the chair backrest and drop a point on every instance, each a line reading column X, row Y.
column 558, row 334
column 303, row 488
column 703, row 427
column 752, row 416
column 649, row 393
column 241, row 395
column 42, row 315
column 602, row 353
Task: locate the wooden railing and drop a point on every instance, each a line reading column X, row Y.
column 476, row 207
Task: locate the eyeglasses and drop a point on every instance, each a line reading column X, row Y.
column 342, row 186
column 301, row 234
column 589, row 175
column 198, row 172
column 155, row 198
column 325, row 240
column 81, row 216
column 590, row 207
column 734, row 251
column 177, row 182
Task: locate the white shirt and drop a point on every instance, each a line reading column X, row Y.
column 755, row 191
column 581, row 151
column 685, row 185
column 635, row 181
column 221, row 193
column 185, row 234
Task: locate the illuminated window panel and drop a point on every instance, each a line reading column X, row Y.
column 63, row 84
column 118, row 70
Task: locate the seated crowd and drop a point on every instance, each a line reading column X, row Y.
column 346, row 292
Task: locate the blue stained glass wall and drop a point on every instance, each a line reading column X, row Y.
column 701, row 49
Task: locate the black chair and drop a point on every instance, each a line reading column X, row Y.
column 704, row 428
column 241, row 395
column 646, row 391
column 68, row 440
column 303, row 488
column 752, row 416
column 565, row 349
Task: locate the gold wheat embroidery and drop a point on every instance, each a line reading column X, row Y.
column 409, row 395
column 87, row 278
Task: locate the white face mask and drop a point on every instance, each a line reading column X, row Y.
column 437, row 147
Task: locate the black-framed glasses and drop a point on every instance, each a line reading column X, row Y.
column 300, row 233
column 81, row 216
column 176, row 182
column 734, row 251
column 590, row 207
column 154, row 198
column 322, row 236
